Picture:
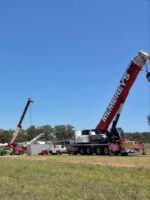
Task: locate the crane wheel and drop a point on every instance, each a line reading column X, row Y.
column 124, row 154
column 82, row 151
column 106, row 151
column 116, row 153
column 98, row 151
column 88, row 150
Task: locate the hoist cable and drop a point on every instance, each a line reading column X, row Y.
column 31, row 115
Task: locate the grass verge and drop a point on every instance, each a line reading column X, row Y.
column 63, row 178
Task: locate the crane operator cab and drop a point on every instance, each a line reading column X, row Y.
column 120, row 133
column 116, row 134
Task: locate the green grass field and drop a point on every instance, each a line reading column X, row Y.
column 75, row 177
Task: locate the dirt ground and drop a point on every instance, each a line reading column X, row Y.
column 131, row 161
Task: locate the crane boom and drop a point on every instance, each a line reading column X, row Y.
column 123, row 89
column 15, row 134
column 24, row 112
column 101, row 141
column 41, row 135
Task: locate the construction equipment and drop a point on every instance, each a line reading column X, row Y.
column 41, row 135
column 6, row 151
column 19, row 126
column 18, row 149
column 103, row 140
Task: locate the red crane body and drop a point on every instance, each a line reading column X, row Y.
column 122, row 91
column 102, row 141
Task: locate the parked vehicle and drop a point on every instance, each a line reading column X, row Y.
column 63, row 148
column 6, row 151
column 58, row 149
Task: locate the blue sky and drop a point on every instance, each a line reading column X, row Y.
column 69, row 56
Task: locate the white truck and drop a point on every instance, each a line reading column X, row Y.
column 58, row 149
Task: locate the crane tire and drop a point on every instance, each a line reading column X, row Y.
column 88, row 151
column 98, row 151
column 106, row 151
column 124, row 154
column 82, row 151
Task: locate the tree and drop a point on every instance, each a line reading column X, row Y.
column 5, row 135
column 48, row 130
column 59, row 132
column 22, row 136
column 145, row 136
column 31, row 132
column 63, row 132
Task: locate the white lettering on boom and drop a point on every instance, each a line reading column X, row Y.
column 118, row 92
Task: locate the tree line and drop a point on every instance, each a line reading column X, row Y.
column 136, row 136
column 58, row 133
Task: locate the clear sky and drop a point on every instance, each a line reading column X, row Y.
column 68, row 56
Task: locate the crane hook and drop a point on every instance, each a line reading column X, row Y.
column 148, row 76
column 147, row 73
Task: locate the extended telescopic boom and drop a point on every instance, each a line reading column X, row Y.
column 15, row 134
column 123, row 89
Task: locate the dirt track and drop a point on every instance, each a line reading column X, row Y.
column 134, row 161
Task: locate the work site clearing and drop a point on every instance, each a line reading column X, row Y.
column 103, row 140
column 122, row 174
column 68, row 177
column 132, row 161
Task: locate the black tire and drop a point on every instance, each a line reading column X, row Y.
column 98, row 150
column 106, row 151
column 58, row 153
column 82, row 151
column 116, row 153
column 124, row 154
column 88, row 151
column 74, row 153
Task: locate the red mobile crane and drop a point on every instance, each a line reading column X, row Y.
column 98, row 140
column 12, row 143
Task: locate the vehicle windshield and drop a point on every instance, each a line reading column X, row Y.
column 121, row 133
